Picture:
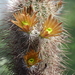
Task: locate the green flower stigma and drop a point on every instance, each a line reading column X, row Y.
column 49, row 30
column 31, row 61
column 25, row 23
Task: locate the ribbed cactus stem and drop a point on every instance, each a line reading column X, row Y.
column 45, row 38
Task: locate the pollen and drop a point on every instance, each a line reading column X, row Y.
column 25, row 23
column 31, row 61
column 49, row 30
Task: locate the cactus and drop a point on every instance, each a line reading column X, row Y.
column 34, row 38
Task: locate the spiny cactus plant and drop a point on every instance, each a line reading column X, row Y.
column 34, row 38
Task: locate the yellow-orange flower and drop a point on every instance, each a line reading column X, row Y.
column 31, row 58
column 51, row 27
column 24, row 20
column 59, row 3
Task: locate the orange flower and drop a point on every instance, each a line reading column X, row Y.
column 24, row 20
column 31, row 58
column 51, row 27
column 60, row 3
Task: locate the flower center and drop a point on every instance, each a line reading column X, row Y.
column 25, row 23
column 49, row 30
column 31, row 61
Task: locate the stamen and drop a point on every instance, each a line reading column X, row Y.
column 49, row 30
column 25, row 23
column 31, row 61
